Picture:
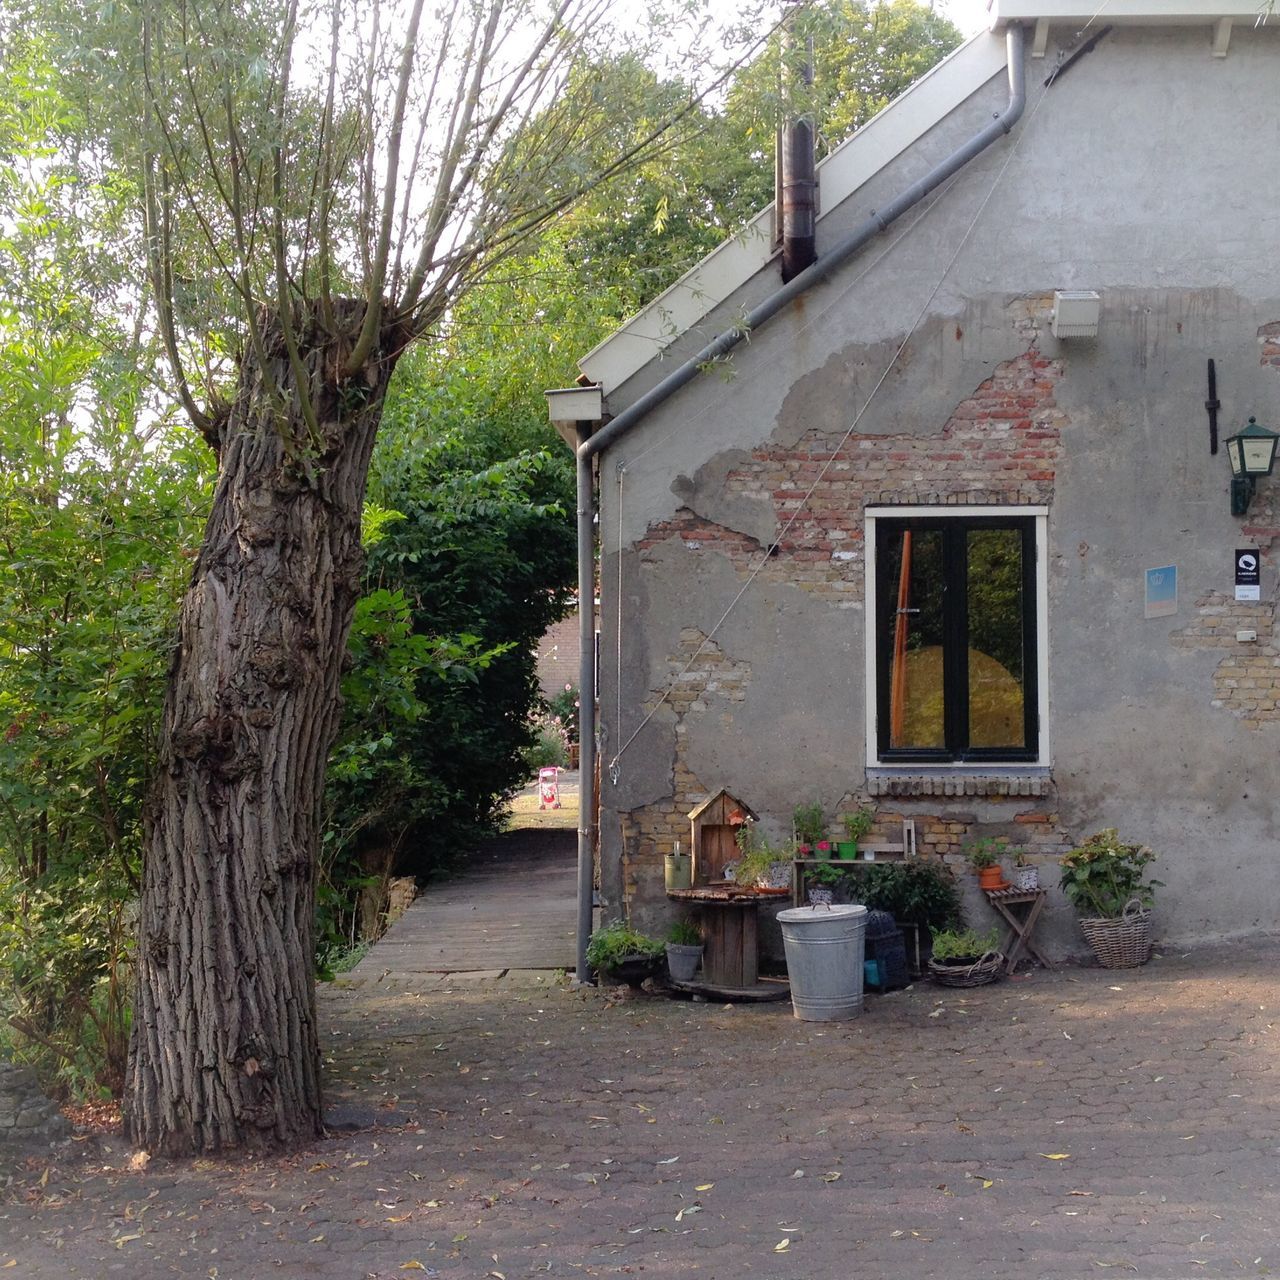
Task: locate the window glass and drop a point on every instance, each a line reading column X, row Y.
column 912, row 578
column 955, row 659
column 997, row 694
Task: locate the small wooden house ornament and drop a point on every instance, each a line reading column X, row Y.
column 713, row 827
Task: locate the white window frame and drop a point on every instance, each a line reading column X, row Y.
column 1041, row 516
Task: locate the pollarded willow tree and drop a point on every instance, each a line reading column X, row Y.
column 319, row 185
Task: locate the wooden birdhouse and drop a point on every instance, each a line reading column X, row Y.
column 714, row 825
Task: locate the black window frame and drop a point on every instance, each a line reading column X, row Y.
column 954, row 531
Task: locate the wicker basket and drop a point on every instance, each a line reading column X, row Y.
column 1122, row 943
column 983, row 970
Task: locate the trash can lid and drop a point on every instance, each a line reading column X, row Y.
column 796, row 915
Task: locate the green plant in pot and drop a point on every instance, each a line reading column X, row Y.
column 822, row 882
column 810, row 828
column 760, row 865
column 965, row 957
column 619, row 953
column 856, row 827
column 984, row 856
column 684, row 950
column 1103, row 879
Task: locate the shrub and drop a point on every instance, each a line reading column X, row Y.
column 1104, row 873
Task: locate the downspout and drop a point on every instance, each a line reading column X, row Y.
column 589, row 446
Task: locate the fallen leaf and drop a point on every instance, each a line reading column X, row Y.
column 412, row 1265
column 783, row 1245
column 1057, row 1155
column 139, row 1160
column 833, row 1176
column 121, row 1241
column 986, row 1182
column 1188, row 1137
column 687, row 1211
column 706, row 1186
column 13, row 1262
column 936, row 1012
column 1079, row 1193
column 799, row 1173
column 894, row 1235
column 320, row 1164
column 671, row 1161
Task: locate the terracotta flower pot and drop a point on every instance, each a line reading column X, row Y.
column 991, row 878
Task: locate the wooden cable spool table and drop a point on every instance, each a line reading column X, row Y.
column 730, row 964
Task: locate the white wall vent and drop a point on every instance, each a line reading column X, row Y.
column 1075, row 313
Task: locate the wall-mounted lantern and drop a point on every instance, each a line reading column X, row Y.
column 1252, row 452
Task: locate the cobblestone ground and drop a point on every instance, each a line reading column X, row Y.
column 1069, row 1124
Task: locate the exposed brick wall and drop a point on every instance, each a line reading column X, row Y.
column 1247, row 680
column 1000, row 445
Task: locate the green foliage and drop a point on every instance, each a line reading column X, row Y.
column 100, row 499
column 858, row 823
column 612, row 943
column 550, row 744
column 685, row 933
column 565, row 707
column 1104, row 873
column 912, row 892
column 964, row 944
column 810, row 823
column 986, row 851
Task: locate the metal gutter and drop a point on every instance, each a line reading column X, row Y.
column 589, row 446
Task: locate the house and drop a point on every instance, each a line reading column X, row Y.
column 949, row 527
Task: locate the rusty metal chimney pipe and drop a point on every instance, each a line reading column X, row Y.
column 798, row 197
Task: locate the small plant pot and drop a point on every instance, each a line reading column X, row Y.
column 868, row 855
column 632, row 971
column 821, row 896
column 823, row 850
column 1027, row 879
column 682, row 961
column 846, row 850
column 804, row 850
column 991, row 879
column 967, row 971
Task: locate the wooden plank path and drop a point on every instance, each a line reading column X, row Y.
column 513, row 907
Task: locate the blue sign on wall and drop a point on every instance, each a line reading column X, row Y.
column 1162, row 591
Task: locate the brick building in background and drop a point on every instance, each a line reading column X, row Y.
column 558, row 656
column 933, row 542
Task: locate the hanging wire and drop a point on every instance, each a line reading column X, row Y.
column 614, row 770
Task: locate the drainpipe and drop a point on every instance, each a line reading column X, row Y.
column 586, row 695
column 591, row 445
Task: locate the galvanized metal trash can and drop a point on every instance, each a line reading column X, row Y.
column 824, row 960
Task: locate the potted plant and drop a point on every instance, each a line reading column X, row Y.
column 821, row 883
column 965, row 957
column 856, row 825
column 984, row 857
column 619, row 953
column 684, row 950
column 1026, row 875
column 1103, row 880
column 760, row 865
column 810, row 828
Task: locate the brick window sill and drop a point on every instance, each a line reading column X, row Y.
column 905, row 782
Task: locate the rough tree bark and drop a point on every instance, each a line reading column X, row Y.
column 224, row 1051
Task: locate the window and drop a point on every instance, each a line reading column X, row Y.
column 956, row 604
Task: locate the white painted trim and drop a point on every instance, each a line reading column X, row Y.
column 850, row 166
column 1041, row 515
column 1122, row 12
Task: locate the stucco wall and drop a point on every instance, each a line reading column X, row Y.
column 1146, row 172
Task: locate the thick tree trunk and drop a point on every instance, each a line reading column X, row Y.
column 224, row 1050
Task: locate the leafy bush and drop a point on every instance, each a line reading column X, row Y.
column 1104, row 873
column 550, row 745
column 565, row 707
column 912, row 892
